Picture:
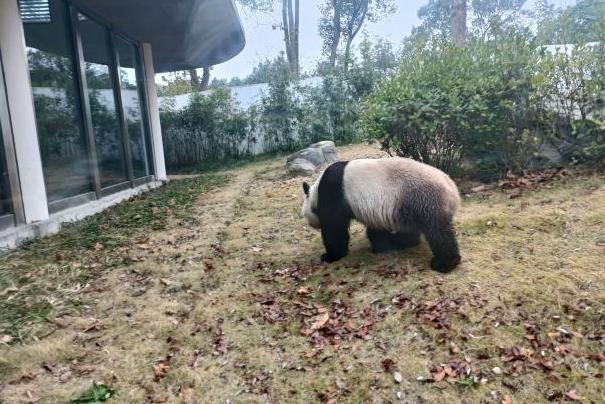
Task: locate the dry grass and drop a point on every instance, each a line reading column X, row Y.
column 219, row 302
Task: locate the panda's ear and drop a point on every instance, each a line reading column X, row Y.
column 306, row 188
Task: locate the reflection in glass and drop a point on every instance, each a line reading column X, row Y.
column 62, row 142
column 105, row 121
column 5, row 196
column 129, row 85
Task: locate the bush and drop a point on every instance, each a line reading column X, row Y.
column 211, row 129
column 448, row 103
column 575, row 79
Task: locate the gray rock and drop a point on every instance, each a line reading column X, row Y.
column 313, row 154
column 317, row 154
column 300, row 167
column 324, row 143
column 330, row 154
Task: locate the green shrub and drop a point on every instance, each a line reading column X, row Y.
column 212, row 128
column 447, row 103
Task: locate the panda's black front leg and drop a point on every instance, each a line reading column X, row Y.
column 335, row 236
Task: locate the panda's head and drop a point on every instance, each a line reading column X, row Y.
column 309, row 207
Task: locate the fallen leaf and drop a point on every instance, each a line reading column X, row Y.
column 9, row 290
column 573, row 395
column 5, row 339
column 439, row 374
column 507, row 400
column 303, row 291
column 479, row 188
column 321, row 321
column 160, row 370
column 24, row 378
column 398, row 377
column 166, row 281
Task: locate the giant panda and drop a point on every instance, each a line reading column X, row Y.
column 396, row 198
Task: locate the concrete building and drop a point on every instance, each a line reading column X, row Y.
column 79, row 118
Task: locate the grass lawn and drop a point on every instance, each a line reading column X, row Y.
column 210, row 290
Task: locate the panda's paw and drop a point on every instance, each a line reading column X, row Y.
column 445, row 264
column 329, row 258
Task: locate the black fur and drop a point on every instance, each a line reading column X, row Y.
column 441, row 238
column 335, row 217
column 306, row 188
column 383, row 241
column 334, row 213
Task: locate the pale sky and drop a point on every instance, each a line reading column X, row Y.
column 262, row 41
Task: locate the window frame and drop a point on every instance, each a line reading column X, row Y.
column 85, row 115
column 16, row 216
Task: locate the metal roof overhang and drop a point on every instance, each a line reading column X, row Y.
column 184, row 34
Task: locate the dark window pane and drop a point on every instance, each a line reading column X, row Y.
column 105, row 122
column 62, row 142
column 5, row 195
column 133, row 111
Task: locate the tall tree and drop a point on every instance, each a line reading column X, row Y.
column 458, row 22
column 290, row 26
column 196, row 83
column 343, row 20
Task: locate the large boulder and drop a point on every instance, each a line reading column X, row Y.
column 300, row 167
column 317, row 154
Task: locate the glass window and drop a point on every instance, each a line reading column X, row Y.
column 5, row 195
column 130, row 86
column 60, row 131
column 105, row 119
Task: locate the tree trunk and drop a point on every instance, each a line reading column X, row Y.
column 195, row 79
column 290, row 22
column 458, row 22
column 353, row 30
column 286, row 28
column 336, row 34
column 347, row 53
column 295, row 44
column 205, row 79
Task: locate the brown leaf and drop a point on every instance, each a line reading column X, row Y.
column 25, row 377
column 439, row 374
column 507, row 399
column 577, row 334
column 573, row 395
column 166, row 281
column 160, row 370
column 303, row 291
column 321, row 321
column 388, row 365
column 94, row 325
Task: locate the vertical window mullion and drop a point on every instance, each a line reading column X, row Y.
column 80, row 69
column 145, row 119
column 117, row 89
column 9, row 153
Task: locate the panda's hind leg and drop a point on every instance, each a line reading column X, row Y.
column 383, row 241
column 442, row 239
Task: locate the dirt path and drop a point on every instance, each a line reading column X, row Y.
column 236, row 308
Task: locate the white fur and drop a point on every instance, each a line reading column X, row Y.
column 310, row 203
column 375, row 188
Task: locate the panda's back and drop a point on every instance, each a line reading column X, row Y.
column 377, row 190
